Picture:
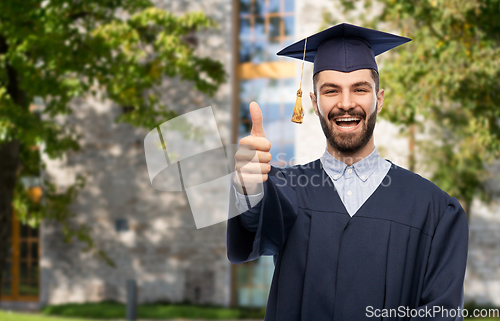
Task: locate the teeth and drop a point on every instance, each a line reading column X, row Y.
column 348, row 119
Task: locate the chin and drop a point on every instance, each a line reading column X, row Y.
column 349, row 140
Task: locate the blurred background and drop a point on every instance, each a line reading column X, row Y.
column 83, row 82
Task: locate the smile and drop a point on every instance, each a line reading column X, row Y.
column 347, row 123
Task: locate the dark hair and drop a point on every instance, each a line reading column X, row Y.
column 374, row 76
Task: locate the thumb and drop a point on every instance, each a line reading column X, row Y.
column 256, row 115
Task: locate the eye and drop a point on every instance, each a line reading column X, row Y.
column 361, row 90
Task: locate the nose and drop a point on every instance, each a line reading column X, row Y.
column 346, row 102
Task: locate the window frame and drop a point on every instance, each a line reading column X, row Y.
column 16, row 260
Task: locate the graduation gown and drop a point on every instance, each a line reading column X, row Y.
column 405, row 247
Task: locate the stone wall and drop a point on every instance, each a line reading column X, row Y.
column 482, row 280
column 162, row 249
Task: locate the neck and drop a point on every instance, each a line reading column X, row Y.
column 351, row 158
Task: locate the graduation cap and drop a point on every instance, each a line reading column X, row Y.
column 344, row 48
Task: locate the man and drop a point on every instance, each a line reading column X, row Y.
column 353, row 235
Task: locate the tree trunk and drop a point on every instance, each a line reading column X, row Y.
column 9, row 159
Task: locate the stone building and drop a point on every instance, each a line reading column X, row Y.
column 151, row 235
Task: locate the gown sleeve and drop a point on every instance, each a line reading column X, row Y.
column 444, row 277
column 249, row 214
column 278, row 211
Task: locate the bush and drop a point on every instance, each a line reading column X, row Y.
column 115, row 310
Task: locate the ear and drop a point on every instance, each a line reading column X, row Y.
column 314, row 103
column 380, row 100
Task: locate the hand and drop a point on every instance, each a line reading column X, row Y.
column 253, row 156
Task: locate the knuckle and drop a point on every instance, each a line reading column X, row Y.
column 266, row 157
column 244, row 140
column 267, row 145
column 246, row 143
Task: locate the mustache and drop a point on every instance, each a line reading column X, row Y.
column 352, row 112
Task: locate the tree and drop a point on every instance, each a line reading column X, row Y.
column 56, row 50
column 444, row 86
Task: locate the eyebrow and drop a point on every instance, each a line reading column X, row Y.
column 328, row 84
column 362, row 83
column 358, row 84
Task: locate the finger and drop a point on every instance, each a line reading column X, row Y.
column 250, row 180
column 256, row 115
column 255, row 143
column 252, row 168
column 245, row 155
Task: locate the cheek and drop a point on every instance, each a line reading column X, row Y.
column 325, row 105
column 322, row 111
column 370, row 104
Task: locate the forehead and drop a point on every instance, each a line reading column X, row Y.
column 345, row 78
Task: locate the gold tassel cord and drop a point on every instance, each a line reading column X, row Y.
column 298, row 111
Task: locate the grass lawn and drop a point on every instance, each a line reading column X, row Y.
column 11, row 316
column 158, row 311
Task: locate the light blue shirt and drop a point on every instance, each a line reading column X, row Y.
column 354, row 184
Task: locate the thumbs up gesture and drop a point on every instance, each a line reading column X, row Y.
column 253, row 156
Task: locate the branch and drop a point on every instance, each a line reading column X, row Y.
column 4, row 47
column 78, row 15
column 17, row 95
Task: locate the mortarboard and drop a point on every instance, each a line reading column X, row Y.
column 344, row 48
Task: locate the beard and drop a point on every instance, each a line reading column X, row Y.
column 348, row 142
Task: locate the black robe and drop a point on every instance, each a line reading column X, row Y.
column 405, row 248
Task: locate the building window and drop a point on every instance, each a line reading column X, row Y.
column 265, row 27
column 121, row 225
column 21, row 274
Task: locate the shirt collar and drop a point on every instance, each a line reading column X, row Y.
column 363, row 168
